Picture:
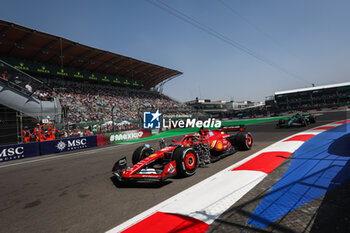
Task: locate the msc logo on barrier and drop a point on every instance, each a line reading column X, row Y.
column 12, row 153
column 72, row 144
column 151, row 120
column 61, row 145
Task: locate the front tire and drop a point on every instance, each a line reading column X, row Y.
column 304, row 122
column 140, row 153
column 186, row 161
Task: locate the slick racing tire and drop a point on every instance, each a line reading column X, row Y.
column 312, row 119
column 304, row 122
column 244, row 141
column 186, row 161
column 140, row 153
column 281, row 122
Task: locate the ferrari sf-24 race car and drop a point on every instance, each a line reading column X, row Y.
column 183, row 157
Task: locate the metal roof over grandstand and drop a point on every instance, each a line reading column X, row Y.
column 24, row 43
column 313, row 88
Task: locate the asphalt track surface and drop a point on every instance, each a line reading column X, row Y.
column 74, row 192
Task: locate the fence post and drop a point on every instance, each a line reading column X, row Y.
column 113, row 119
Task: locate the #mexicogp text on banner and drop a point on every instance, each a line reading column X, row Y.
column 128, row 135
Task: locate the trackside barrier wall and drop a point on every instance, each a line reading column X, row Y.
column 26, row 150
column 67, row 144
column 123, row 136
column 102, row 140
column 19, row 151
column 129, row 135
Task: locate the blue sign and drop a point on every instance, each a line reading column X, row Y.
column 67, row 144
column 19, row 151
column 151, row 120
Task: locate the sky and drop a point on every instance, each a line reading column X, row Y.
column 269, row 46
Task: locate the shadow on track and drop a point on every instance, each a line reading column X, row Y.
column 341, row 146
column 328, row 214
column 138, row 184
column 333, row 214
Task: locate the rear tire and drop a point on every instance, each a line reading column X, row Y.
column 140, row 153
column 304, row 123
column 186, row 161
column 244, row 141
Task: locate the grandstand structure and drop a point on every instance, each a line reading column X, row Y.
column 325, row 96
column 48, row 77
column 222, row 108
column 45, row 54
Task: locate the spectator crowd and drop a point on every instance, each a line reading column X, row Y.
column 86, row 103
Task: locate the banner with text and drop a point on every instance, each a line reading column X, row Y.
column 129, row 135
column 19, row 151
column 68, row 144
column 28, row 66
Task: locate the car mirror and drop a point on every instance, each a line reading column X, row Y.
column 161, row 143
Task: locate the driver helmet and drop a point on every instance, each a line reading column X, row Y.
column 196, row 136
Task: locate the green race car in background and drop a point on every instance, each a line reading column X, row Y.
column 297, row 120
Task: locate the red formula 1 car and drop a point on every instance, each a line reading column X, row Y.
column 183, row 158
